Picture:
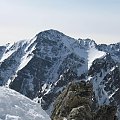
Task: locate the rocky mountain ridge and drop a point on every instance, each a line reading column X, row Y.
column 76, row 102
column 43, row 66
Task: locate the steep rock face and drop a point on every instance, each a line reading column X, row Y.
column 52, row 55
column 76, row 97
column 76, row 103
column 56, row 89
column 105, row 76
column 12, row 59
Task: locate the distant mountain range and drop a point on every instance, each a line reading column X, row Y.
column 42, row 67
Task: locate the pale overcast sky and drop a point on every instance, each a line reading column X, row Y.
column 95, row 19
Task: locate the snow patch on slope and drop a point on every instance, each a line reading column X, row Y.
column 113, row 93
column 7, row 53
column 93, row 54
column 27, row 56
column 11, row 48
column 14, row 106
column 100, row 93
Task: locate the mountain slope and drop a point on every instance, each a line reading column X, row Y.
column 105, row 76
column 42, row 67
column 14, row 106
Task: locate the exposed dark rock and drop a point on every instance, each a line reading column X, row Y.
column 75, row 103
column 106, row 112
column 64, row 79
column 105, row 77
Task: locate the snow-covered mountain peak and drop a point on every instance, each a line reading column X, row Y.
column 50, row 34
column 55, row 37
column 33, row 67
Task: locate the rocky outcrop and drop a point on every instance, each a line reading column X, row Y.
column 76, row 103
column 106, row 112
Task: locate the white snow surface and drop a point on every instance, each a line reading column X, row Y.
column 14, row 106
column 93, row 54
column 11, row 48
column 28, row 54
